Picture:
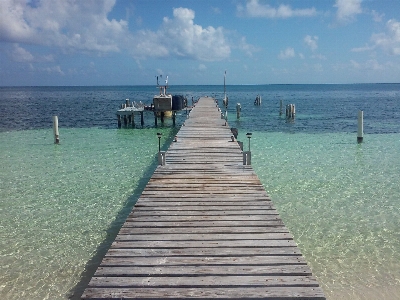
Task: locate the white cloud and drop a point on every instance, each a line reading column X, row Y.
column 82, row 25
column 362, row 49
column 216, row 10
column 255, row 9
column 20, row 54
column 86, row 26
column 311, row 42
column 318, row 56
column 371, row 64
column 247, row 48
column 55, row 69
column 181, row 37
column 287, row 53
column 347, row 10
column 202, row 67
column 376, row 16
column 390, row 40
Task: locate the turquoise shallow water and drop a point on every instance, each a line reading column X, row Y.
column 341, row 201
column 61, row 205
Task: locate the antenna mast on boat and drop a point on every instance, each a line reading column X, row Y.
column 224, row 85
column 163, row 88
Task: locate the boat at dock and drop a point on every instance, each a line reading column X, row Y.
column 162, row 103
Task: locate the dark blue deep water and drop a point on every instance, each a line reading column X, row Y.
column 319, row 108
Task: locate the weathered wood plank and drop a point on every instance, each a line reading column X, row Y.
column 204, row 260
column 189, row 270
column 204, row 237
column 206, row 244
column 193, row 230
column 192, row 218
column 206, row 281
column 294, row 293
column 203, row 213
column 201, row 223
column 193, row 252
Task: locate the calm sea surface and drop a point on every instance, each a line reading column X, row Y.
column 61, row 205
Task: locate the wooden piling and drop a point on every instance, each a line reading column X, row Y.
column 55, row 130
column 360, row 128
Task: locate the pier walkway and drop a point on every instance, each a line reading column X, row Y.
column 204, row 228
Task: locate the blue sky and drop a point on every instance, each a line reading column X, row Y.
column 108, row 42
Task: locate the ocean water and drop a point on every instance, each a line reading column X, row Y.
column 62, row 205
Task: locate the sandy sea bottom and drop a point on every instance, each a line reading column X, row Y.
column 341, row 201
column 61, row 205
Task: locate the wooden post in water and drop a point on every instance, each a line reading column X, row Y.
column 119, row 121
column 55, row 130
column 280, row 107
column 246, row 158
column 360, row 131
column 161, row 158
column 141, row 118
column 238, row 109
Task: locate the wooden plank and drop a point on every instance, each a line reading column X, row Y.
column 204, row 260
column 203, row 213
column 158, row 224
column 193, row 230
column 201, row 252
column 203, row 270
column 206, row 281
column 192, row 218
column 294, row 293
column 204, row 237
column 206, row 244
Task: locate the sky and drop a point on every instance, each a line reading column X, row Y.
column 121, row 42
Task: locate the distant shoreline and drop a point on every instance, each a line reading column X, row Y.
column 177, row 85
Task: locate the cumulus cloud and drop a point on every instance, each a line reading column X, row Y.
column 20, row 54
column 388, row 41
column 255, row 9
column 181, row 37
column 287, row 53
column 67, row 24
column 311, row 42
column 86, row 26
column 347, row 10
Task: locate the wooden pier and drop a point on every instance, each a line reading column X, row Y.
column 204, row 228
